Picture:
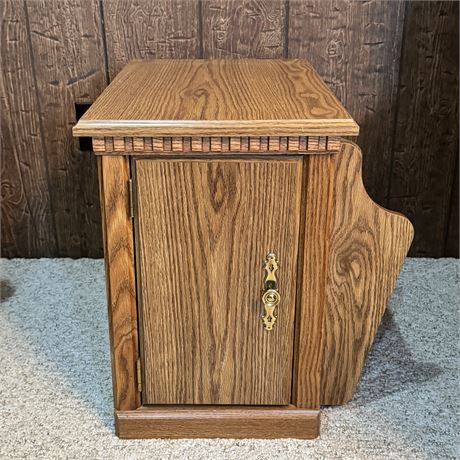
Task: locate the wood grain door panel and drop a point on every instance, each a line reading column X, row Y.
column 203, row 229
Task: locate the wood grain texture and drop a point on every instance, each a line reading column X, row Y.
column 354, row 46
column 120, row 279
column 367, row 248
column 69, row 66
column 204, row 229
column 218, row 422
column 27, row 228
column 192, row 145
column 311, row 296
column 234, row 29
column 426, row 137
column 145, row 29
column 243, row 97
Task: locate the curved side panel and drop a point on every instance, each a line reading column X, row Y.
column 368, row 245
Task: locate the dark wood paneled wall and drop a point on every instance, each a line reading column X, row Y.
column 393, row 64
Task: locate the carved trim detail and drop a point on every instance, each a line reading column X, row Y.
column 133, row 145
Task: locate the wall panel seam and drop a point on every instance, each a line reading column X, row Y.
column 449, row 206
column 200, row 28
column 104, row 41
column 286, row 29
column 42, row 133
column 396, row 109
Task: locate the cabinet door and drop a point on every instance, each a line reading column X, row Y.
column 203, row 230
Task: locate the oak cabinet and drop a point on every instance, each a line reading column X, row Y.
column 247, row 270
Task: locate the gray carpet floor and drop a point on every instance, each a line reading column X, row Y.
column 55, row 387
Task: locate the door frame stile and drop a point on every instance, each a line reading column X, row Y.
column 311, row 283
column 137, row 271
column 114, row 173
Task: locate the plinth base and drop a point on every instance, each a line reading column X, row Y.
column 217, row 422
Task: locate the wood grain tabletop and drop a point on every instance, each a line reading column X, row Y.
column 199, row 97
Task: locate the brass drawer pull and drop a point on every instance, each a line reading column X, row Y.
column 270, row 295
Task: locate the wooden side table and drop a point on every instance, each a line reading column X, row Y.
column 247, row 269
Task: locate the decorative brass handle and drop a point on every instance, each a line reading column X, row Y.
column 270, row 295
